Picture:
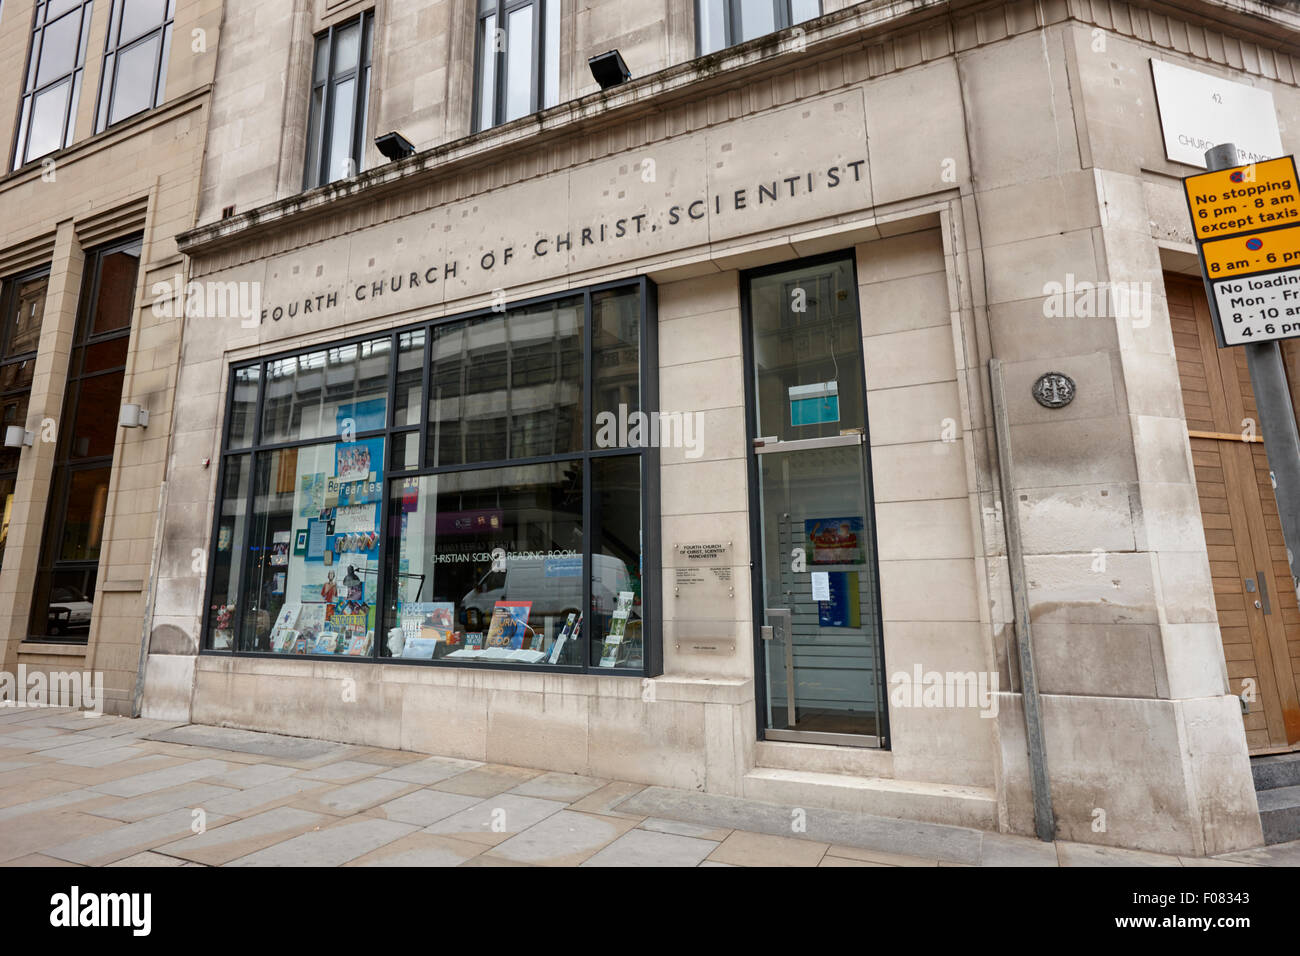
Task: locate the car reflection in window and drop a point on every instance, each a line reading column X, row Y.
column 69, row 611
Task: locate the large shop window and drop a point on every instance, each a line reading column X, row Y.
column 451, row 493
column 340, row 97
column 724, row 23
column 74, row 526
column 135, row 59
column 60, row 32
column 23, row 308
column 518, row 60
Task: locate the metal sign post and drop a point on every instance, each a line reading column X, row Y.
column 1252, row 279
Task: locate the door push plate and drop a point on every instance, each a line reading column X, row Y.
column 766, row 632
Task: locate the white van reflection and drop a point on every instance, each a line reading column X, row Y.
column 70, row 610
column 552, row 584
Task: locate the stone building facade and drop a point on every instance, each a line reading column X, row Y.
column 108, row 106
column 807, row 245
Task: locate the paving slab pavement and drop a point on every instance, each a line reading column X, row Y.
column 118, row 792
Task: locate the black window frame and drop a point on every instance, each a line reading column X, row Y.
column 30, row 91
column 783, row 15
column 316, row 170
column 66, row 462
column 652, row 638
column 539, row 65
column 113, row 50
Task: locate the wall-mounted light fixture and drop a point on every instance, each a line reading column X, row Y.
column 394, row 145
column 18, row 437
column 133, row 416
column 609, row 69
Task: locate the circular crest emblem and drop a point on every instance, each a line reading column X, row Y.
column 1054, row 390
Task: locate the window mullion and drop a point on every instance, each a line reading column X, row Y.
column 326, row 110
column 535, row 72
column 360, row 100
column 77, row 63
column 499, row 86
column 322, row 121
column 157, row 65
column 588, row 421
column 111, row 73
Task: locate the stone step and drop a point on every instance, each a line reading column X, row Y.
column 901, row 799
column 1279, row 770
column 819, row 758
column 1279, row 814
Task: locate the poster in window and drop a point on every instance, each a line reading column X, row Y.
column 352, row 493
column 315, row 539
column 280, row 549
column 311, row 495
column 354, row 592
column 835, row 541
column 355, row 519
column 352, row 462
column 843, row 608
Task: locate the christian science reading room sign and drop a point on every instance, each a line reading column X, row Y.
column 1247, row 224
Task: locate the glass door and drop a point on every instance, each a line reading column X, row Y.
column 816, row 573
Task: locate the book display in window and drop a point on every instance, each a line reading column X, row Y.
column 509, row 628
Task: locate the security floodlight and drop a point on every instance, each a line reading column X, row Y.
column 394, row 146
column 609, row 69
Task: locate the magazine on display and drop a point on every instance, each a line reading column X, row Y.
column 286, row 623
column 509, row 624
column 572, row 627
column 430, row 620
column 419, row 649
column 284, row 641
column 360, row 646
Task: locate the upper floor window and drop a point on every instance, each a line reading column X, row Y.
column 340, row 94
column 135, row 59
column 518, row 63
column 724, row 23
column 54, row 64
